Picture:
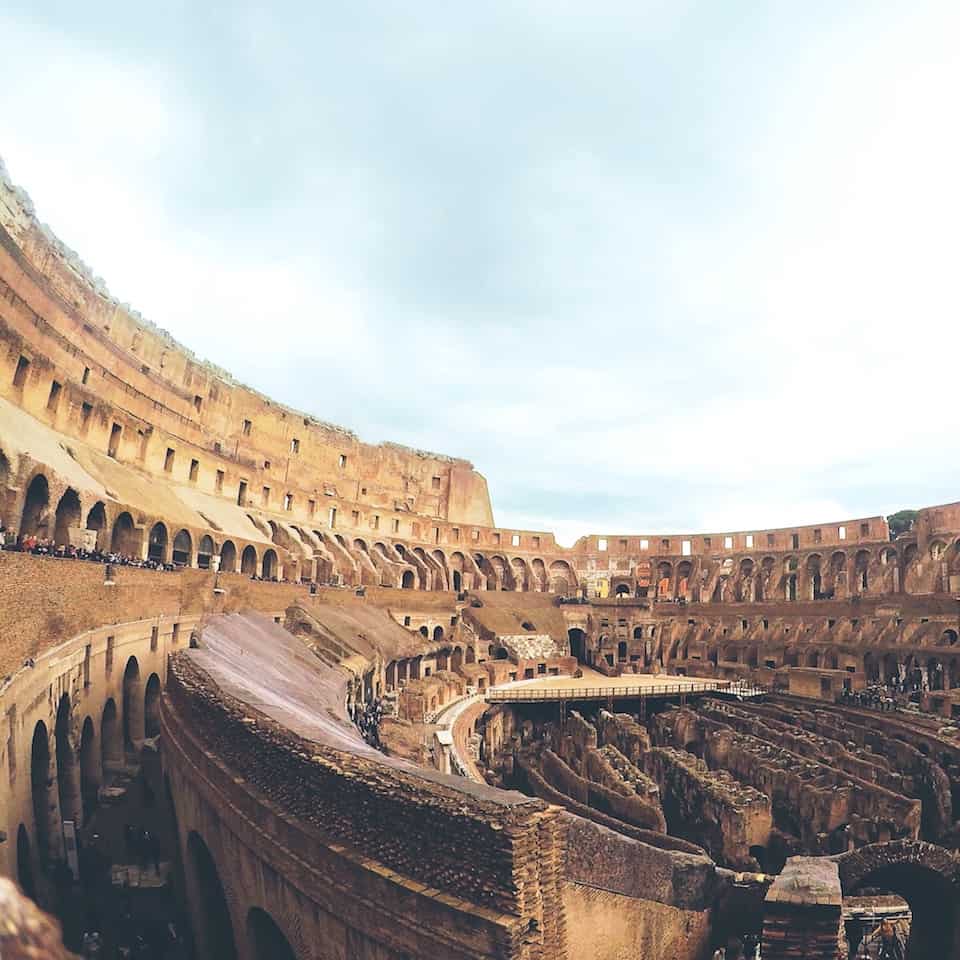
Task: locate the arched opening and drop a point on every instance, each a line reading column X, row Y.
column 622, row 650
column 437, row 634
column 132, row 706
column 623, row 590
column 40, row 790
column 269, row 566
column 457, row 581
column 578, row 646
column 948, row 638
column 205, row 552
column 267, row 938
column 425, row 632
column 228, row 557
column 407, row 580
column 183, row 549
column 67, row 517
column 248, row 561
column 935, row 674
column 151, row 707
column 89, row 768
column 157, row 544
column 561, row 578
column 35, row 517
column 123, row 536
column 790, row 567
column 111, row 739
column 923, row 875
column 97, row 521
column 861, row 564
column 891, row 668
column 214, row 931
column 815, row 577
column 664, row 577
column 68, row 773
column 25, row 864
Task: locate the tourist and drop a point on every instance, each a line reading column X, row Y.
column 91, row 945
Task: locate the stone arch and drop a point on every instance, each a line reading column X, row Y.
column 25, row 876
column 67, row 515
column 926, row 876
column 40, row 781
column 68, row 771
column 578, row 643
column 214, row 931
column 861, row 568
column 519, row 570
column 742, row 591
column 97, row 520
column 183, row 549
column 266, row 938
column 408, row 580
column 814, row 572
column 90, row 775
column 948, row 638
column 248, row 560
column 562, row 580
column 132, row 705
column 437, row 634
column 268, row 567
column 111, row 739
column 34, row 518
column 228, row 557
column 157, row 543
column 123, row 536
column 151, row 706
column 206, row 548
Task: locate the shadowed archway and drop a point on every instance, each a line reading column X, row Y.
column 266, row 938
column 926, row 876
column 214, row 932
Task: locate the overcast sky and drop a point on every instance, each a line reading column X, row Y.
column 652, row 267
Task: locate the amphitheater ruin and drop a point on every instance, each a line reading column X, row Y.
column 363, row 722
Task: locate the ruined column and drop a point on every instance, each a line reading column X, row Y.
column 802, row 912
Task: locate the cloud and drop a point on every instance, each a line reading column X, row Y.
column 652, row 267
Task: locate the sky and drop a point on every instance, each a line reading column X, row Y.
column 653, row 267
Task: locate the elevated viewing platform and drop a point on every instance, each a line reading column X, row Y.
column 596, row 686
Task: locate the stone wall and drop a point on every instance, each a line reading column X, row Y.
column 492, row 857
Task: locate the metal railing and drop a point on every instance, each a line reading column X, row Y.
column 605, row 693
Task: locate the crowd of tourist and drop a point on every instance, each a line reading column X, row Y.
column 367, row 718
column 45, row 547
column 874, row 697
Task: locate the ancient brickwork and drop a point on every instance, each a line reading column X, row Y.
column 710, row 807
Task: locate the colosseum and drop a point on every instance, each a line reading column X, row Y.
column 270, row 691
